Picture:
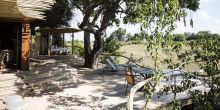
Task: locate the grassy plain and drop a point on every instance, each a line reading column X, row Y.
column 139, row 50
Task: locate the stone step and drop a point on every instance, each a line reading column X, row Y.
column 4, row 78
column 50, row 85
column 7, row 93
column 37, row 82
column 8, row 88
column 36, row 77
column 7, row 83
column 39, row 73
column 65, row 81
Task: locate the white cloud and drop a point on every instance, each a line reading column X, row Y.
column 216, row 21
column 206, row 1
column 203, row 15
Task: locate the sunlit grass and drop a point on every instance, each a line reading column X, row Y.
column 139, row 50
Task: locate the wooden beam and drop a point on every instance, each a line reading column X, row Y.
column 72, row 43
column 59, row 30
column 63, row 40
column 48, row 44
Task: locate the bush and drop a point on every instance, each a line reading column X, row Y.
column 111, row 48
column 78, row 48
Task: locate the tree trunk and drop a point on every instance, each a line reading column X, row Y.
column 92, row 56
column 87, row 49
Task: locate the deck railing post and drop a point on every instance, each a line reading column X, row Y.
column 25, row 46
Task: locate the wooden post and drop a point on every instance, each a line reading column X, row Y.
column 72, row 42
column 41, row 50
column 25, row 46
column 48, row 44
column 63, row 41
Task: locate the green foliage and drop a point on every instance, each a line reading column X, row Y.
column 200, row 34
column 57, row 40
column 190, row 4
column 176, row 105
column 119, row 34
column 100, row 14
column 135, row 39
column 112, row 46
column 78, row 48
column 92, row 10
column 143, row 35
column 138, row 38
column 206, row 51
column 158, row 18
column 179, row 37
column 129, row 36
column 59, row 15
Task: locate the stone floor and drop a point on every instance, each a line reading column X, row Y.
column 95, row 89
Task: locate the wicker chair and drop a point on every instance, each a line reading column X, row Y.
column 130, row 78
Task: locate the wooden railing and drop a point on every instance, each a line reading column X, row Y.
column 135, row 88
column 133, row 91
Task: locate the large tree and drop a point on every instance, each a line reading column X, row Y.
column 97, row 16
column 100, row 14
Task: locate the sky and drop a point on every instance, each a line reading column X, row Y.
column 206, row 18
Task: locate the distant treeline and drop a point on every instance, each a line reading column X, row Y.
column 121, row 35
column 194, row 36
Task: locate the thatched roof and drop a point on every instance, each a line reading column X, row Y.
column 59, row 30
column 24, row 9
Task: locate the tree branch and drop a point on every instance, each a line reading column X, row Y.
column 129, row 59
column 90, row 30
column 97, row 16
column 108, row 13
column 88, row 13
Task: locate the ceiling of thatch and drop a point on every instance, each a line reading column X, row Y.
column 24, row 9
column 59, row 30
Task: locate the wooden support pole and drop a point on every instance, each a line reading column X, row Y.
column 25, row 46
column 48, row 44
column 63, row 41
column 72, row 43
column 41, row 45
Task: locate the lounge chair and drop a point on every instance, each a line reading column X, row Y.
column 113, row 67
column 112, row 59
